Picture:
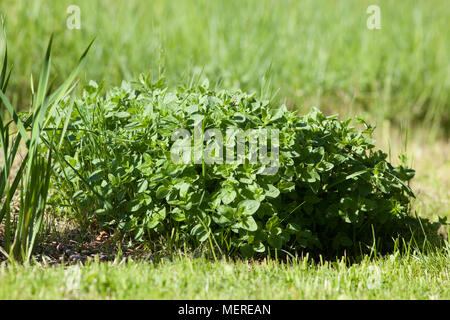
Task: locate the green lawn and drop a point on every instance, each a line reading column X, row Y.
column 413, row 276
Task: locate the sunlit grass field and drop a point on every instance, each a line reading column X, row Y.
column 310, row 52
column 302, row 53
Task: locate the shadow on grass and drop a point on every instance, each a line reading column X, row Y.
column 404, row 235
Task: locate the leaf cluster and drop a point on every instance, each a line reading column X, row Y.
column 332, row 192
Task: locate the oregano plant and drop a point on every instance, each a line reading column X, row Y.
column 330, row 190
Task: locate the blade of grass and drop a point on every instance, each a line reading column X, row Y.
column 34, row 185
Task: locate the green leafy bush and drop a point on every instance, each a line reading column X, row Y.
column 332, row 192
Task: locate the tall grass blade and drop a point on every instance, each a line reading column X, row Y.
column 33, row 176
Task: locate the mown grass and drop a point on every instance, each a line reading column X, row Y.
column 314, row 52
column 397, row 276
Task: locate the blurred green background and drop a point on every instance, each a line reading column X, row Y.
column 310, row 53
